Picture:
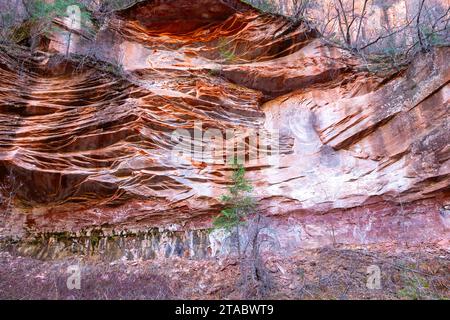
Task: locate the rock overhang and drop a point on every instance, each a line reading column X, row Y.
column 92, row 149
column 181, row 16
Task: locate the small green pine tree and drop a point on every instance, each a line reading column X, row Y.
column 240, row 207
column 238, row 201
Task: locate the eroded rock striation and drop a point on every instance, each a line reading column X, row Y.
column 358, row 159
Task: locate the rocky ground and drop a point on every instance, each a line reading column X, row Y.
column 327, row 273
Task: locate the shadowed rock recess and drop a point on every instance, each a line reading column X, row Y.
column 362, row 159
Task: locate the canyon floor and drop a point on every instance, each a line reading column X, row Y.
column 339, row 272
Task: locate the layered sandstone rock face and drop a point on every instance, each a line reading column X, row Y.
column 353, row 158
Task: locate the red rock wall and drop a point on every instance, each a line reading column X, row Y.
column 362, row 156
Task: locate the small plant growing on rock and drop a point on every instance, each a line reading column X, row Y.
column 225, row 52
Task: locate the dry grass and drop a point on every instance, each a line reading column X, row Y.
column 342, row 274
column 329, row 273
column 27, row 278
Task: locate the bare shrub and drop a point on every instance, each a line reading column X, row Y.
column 9, row 188
column 12, row 15
column 27, row 278
column 385, row 35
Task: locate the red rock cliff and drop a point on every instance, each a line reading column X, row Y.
column 360, row 159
